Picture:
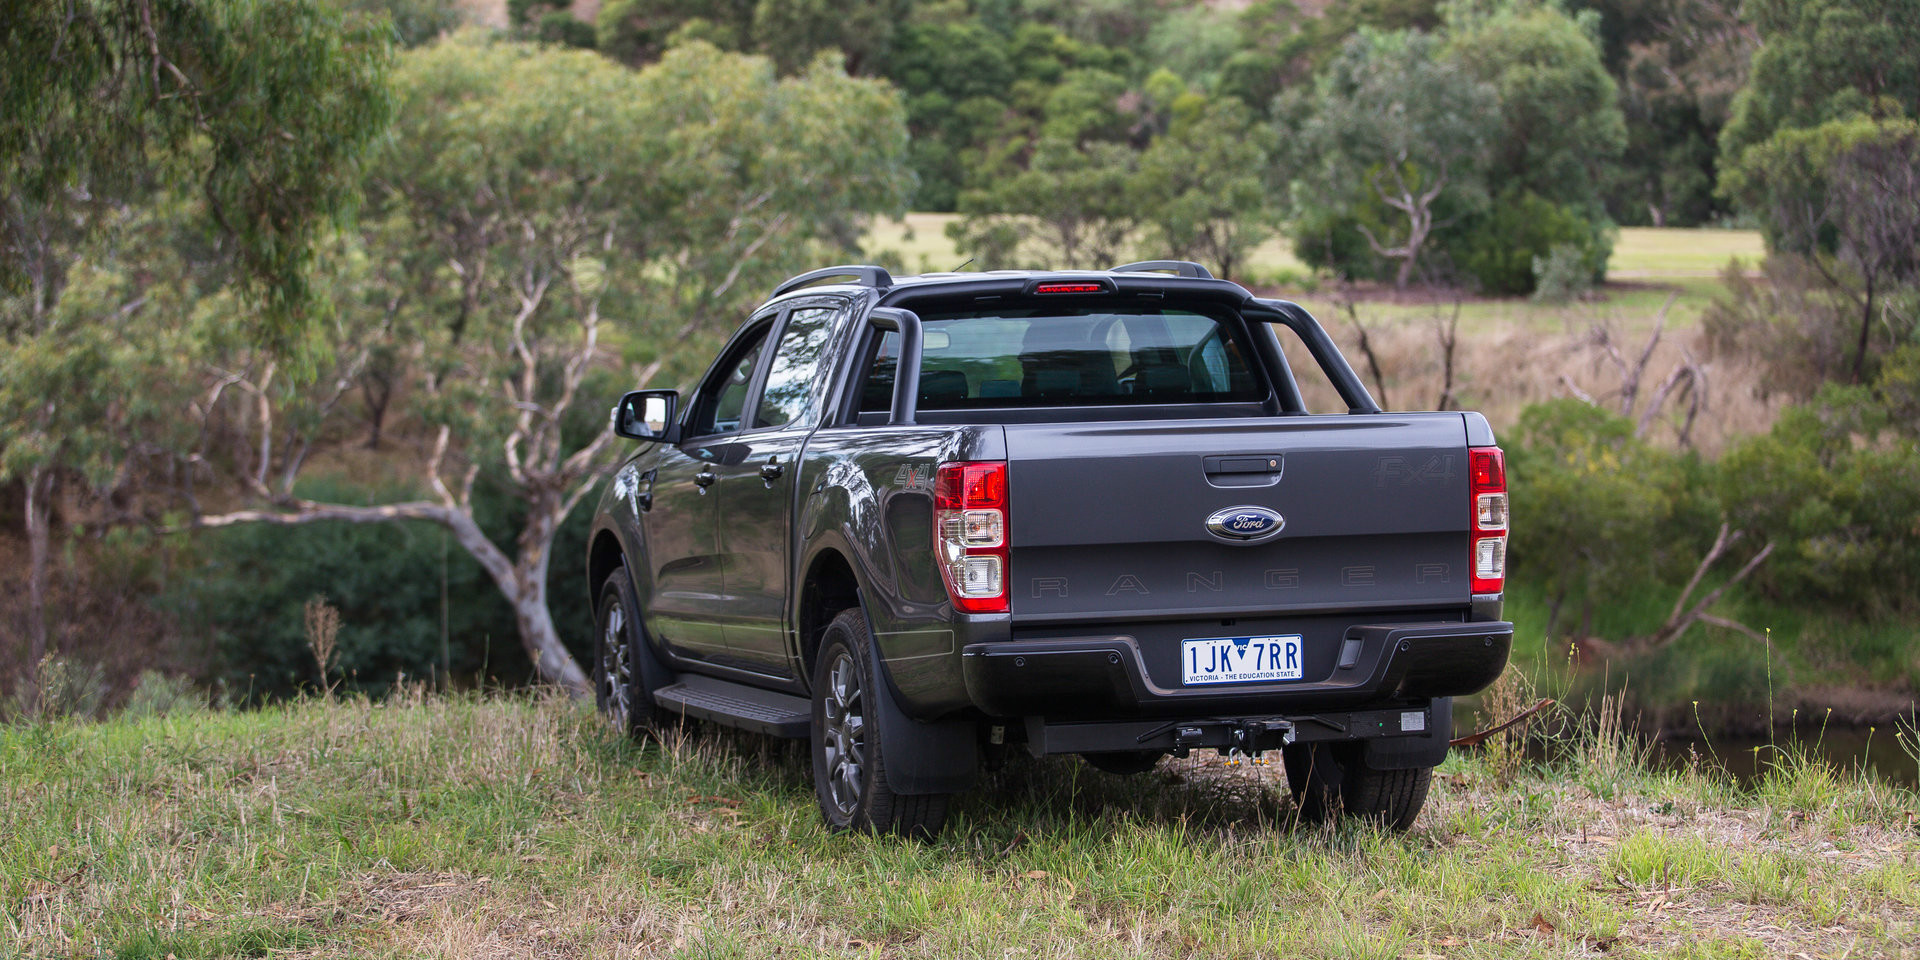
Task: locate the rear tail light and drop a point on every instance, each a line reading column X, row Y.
column 1489, row 511
column 970, row 534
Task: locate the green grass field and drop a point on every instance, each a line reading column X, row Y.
column 919, row 242
column 521, row 827
column 1649, row 265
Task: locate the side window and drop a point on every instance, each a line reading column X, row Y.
column 793, row 372
column 723, row 398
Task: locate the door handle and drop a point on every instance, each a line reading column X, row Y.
column 771, row 470
column 704, row 478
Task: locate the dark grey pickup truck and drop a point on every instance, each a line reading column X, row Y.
column 920, row 520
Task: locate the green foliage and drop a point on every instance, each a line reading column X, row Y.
column 1074, row 209
column 267, row 109
column 1562, row 276
column 1397, row 133
column 1821, row 61
column 1497, row 247
column 564, row 29
column 1600, row 514
column 415, row 22
column 1678, row 64
column 1200, row 188
column 1561, row 122
column 1836, row 486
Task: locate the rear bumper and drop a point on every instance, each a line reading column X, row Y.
column 1106, row 678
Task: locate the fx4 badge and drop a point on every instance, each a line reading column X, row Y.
column 1245, row 524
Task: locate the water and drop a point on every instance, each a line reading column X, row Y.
column 1842, row 748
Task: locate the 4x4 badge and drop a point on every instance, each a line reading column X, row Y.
column 1245, row 524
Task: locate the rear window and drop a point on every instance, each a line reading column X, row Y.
column 1076, row 356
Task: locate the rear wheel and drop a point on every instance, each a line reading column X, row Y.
column 1329, row 780
column 849, row 767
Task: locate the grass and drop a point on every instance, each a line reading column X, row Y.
column 521, row 826
column 919, row 243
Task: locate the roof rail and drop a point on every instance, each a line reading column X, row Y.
column 1179, row 268
column 864, row 275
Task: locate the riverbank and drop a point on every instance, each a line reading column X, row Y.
column 521, row 826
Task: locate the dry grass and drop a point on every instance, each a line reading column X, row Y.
column 522, row 827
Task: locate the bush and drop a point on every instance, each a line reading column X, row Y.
column 1498, row 248
column 1836, row 486
column 1600, row 515
column 1562, row 276
column 567, row 30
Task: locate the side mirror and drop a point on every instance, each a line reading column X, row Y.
column 647, row 415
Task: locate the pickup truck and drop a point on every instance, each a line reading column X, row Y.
column 925, row 520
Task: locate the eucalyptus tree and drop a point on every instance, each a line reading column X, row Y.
column 262, row 110
column 542, row 217
column 1399, row 127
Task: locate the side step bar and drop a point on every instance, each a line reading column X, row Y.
column 737, row 705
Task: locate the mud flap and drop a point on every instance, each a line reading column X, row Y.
column 921, row 758
column 1410, row 753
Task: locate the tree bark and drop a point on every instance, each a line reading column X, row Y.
column 39, row 517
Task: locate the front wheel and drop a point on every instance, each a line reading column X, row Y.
column 1329, row 779
column 622, row 683
column 849, row 768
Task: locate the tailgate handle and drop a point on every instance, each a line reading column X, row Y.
column 1270, row 464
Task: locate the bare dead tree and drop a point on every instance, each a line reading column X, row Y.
column 1448, row 331
column 1686, row 383
column 1413, row 203
column 1346, row 301
column 1684, row 616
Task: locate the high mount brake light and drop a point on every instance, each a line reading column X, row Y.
column 1488, row 511
column 1071, row 288
column 970, row 534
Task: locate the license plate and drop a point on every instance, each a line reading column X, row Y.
column 1240, row 659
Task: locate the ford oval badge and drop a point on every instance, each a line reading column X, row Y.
column 1245, row 524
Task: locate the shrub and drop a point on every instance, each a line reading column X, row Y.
column 1600, row 515
column 1498, row 248
column 1562, row 276
column 1836, row 486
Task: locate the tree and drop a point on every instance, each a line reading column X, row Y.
column 542, row 189
column 1072, row 203
column 264, row 109
column 1398, row 125
column 1845, row 196
column 1824, row 60
column 1200, row 188
column 1560, row 121
column 267, row 106
column 1678, row 64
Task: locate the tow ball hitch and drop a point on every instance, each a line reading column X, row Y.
column 1233, row 738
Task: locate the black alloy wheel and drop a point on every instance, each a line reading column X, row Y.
column 849, row 767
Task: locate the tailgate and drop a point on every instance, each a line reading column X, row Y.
column 1113, row 518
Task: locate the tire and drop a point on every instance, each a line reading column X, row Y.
column 1122, row 764
column 1330, row 780
column 622, row 678
column 849, row 769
